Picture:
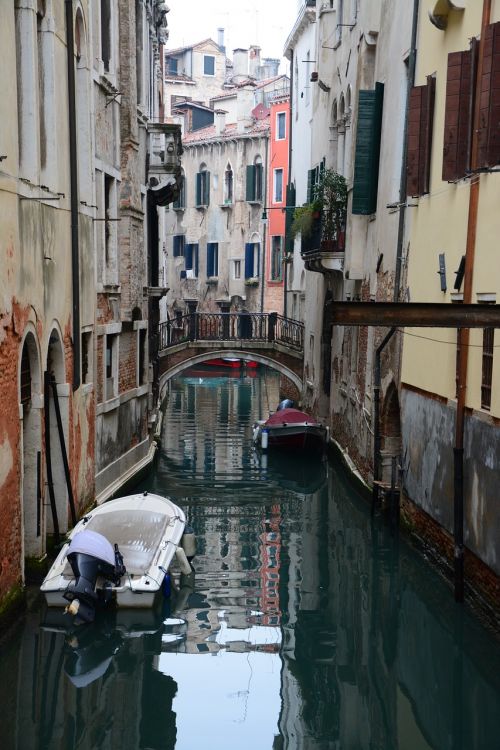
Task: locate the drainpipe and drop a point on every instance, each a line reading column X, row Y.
column 263, row 270
column 289, row 183
column 404, row 160
column 73, row 172
column 376, row 416
column 464, row 333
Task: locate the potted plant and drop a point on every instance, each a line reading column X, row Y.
column 332, row 194
column 305, row 218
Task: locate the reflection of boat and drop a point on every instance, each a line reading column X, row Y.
column 301, row 474
column 146, row 530
column 290, row 429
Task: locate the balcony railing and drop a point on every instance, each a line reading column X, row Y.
column 242, row 326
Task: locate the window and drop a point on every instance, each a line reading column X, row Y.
column 254, row 181
column 278, row 186
column 171, row 65
column 203, row 187
column 420, row 120
column 180, row 201
column 252, row 258
column 212, row 259
column 191, row 260
column 178, row 245
column 208, row 65
column 106, row 33
column 366, row 164
column 487, row 369
column 280, row 126
column 228, row 185
column 111, row 365
column 276, row 258
column 237, row 269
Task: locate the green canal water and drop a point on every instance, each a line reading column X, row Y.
column 306, row 626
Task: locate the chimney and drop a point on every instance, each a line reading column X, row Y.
column 240, row 65
column 244, row 106
column 220, row 120
column 254, row 61
column 220, row 38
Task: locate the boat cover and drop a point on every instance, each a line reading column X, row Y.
column 289, row 416
column 138, row 534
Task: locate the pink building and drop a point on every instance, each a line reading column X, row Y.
column 276, row 203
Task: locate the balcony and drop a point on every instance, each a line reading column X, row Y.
column 322, row 255
column 165, row 148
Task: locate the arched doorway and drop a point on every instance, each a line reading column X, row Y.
column 53, row 440
column 30, row 401
column 390, row 432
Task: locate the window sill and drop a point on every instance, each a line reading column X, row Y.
column 226, row 205
column 213, row 280
column 255, row 202
column 179, row 208
column 252, row 281
column 202, row 207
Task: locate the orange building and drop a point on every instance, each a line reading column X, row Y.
column 276, row 202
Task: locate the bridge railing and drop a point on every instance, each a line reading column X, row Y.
column 241, row 326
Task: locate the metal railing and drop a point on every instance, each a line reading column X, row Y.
column 243, row 326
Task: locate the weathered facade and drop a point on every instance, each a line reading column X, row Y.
column 79, row 282
column 450, row 402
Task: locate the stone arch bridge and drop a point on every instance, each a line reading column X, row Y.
column 267, row 338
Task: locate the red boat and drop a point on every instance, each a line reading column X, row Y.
column 291, row 429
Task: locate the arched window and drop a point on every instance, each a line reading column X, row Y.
column 203, row 187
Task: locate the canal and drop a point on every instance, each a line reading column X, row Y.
column 306, row 626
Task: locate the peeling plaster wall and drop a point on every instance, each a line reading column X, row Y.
column 428, row 438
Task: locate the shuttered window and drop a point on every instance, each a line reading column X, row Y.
column 489, row 117
column 252, row 257
column 203, row 188
column 191, row 259
column 254, row 183
column 178, row 241
column 487, row 369
column 459, row 113
column 212, row 259
column 290, row 202
column 365, row 188
column 420, row 126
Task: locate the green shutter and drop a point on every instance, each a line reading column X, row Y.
column 198, row 188
column 207, row 188
column 310, row 182
column 250, row 194
column 367, row 150
column 290, row 202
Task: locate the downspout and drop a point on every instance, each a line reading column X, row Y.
column 404, row 160
column 264, row 238
column 73, row 172
column 376, row 416
column 464, row 333
column 289, row 183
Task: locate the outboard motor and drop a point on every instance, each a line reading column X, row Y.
column 287, row 403
column 90, row 555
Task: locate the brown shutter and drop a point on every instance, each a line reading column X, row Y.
column 489, row 114
column 421, row 116
column 458, row 115
column 414, row 116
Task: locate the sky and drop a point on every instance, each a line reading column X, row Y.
column 245, row 22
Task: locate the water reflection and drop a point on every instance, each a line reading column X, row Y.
column 305, row 627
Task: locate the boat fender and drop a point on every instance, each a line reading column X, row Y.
column 184, row 563
column 73, row 607
column 188, row 542
column 264, row 439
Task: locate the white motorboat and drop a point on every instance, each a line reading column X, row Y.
column 119, row 552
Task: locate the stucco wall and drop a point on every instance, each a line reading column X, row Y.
column 428, row 427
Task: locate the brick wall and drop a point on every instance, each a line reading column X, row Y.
column 127, row 375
